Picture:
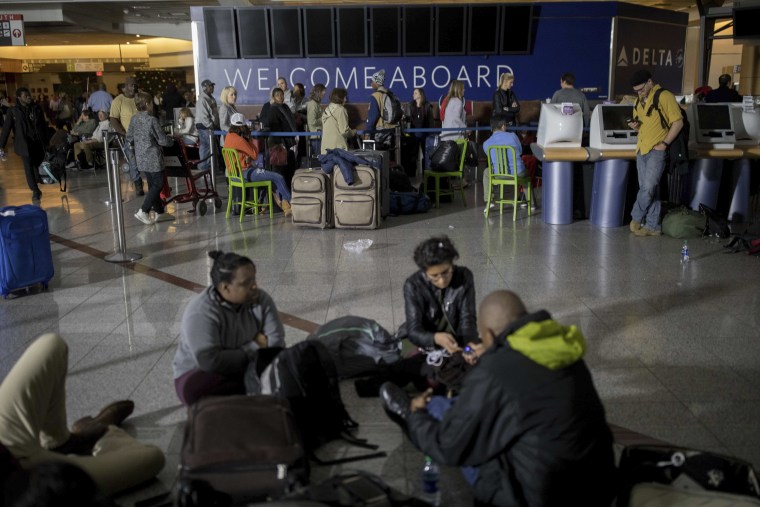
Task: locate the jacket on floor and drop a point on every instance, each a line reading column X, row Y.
column 345, row 160
column 529, row 417
column 424, row 312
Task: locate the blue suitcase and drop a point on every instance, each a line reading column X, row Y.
column 25, row 255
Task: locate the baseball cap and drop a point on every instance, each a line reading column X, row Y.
column 208, row 82
column 237, row 119
column 641, row 76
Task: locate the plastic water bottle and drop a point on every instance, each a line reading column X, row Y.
column 685, row 252
column 431, row 483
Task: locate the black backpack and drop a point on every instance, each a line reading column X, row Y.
column 53, row 167
column 678, row 152
column 306, row 376
column 391, row 111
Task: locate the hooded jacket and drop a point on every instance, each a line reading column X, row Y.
column 529, row 417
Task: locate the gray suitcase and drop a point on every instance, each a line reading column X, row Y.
column 357, row 206
column 312, row 202
column 383, row 160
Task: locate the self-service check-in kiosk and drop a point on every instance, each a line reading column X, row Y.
column 558, row 145
column 612, row 145
column 712, row 140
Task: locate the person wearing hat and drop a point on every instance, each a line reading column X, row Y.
column 206, row 118
column 239, row 138
column 651, row 149
column 123, row 108
column 375, row 113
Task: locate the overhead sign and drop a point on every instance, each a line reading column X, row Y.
column 84, row 67
column 12, row 30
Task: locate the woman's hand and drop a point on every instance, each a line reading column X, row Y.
column 473, row 351
column 446, row 341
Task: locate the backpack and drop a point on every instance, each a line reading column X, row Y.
column 306, row 376
column 409, row 203
column 391, row 110
column 358, row 346
column 53, row 167
column 445, row 158
column 678, row 151
column 683, row 223
column 399, row 181
column 714, row 223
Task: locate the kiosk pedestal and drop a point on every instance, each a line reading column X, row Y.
column 608, row 194
column 739, row 211
column 705, row 182
column 558, row 193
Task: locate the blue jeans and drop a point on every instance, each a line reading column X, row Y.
column 280, row 188
column 437, row 408
column 646, row 209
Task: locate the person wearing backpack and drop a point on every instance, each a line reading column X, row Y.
column 657, row 130
column 385, row 112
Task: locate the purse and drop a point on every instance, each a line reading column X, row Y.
column 278, row 155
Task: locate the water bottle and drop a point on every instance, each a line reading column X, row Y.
column 685, row 252
column 431, row 492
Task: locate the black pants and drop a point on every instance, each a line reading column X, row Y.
column 31, row 163
column 153, row 195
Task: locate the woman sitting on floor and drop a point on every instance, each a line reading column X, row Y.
column 223, row 328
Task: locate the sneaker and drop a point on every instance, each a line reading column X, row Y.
column 164, row 217
column 143, row 217
column 635, row 226
column 646, row 231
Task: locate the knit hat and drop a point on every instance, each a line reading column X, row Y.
column 379, row 77
column 237, row 119
column 641, row 76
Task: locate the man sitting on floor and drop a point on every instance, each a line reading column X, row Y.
column 528, row 415
column 33, row 426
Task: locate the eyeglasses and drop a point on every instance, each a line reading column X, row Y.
column 439, row 276
column 640, row 89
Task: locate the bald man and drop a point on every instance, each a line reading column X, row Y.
column 528, row 415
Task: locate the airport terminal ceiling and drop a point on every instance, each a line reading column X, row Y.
column 104, row 22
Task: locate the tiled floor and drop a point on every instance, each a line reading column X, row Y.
column 674, row 350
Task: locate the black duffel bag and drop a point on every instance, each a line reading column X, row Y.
column 445, row 158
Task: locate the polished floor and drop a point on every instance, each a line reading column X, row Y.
column 674, row 349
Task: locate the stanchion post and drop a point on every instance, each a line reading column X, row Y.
column 212, row 150
column 121, row 255
column 397, row 135
column 109, row 163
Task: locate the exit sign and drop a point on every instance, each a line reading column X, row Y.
column 11, row 30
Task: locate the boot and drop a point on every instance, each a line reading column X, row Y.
column 286, row 209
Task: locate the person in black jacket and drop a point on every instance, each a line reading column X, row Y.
column 439, row 299
column 281, row 120
column 31, row 137
column 527, row 417
column 505, row 103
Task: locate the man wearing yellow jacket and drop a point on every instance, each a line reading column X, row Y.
column 527, row 417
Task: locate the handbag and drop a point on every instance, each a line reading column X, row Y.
column 278, row 155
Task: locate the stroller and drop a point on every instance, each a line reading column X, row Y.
column 179, row 164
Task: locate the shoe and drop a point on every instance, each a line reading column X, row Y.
column 646, row 231
column 395, row 402
column 143, row 217
column 286, row 209
column 635, row 226
column 115, row 413
column 82, row 443
column 139, row 187
column 164, row 217
column 37, row 195
column 71, row 165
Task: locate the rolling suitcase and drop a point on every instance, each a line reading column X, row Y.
column 312, row 202
column 382, row 159
column 357, row 206
column 26, row 258
column 245, row 447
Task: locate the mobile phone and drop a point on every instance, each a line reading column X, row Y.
column 629, row 120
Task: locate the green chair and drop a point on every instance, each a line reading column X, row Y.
column 462, row 144
column 506, row 156
column 235, row 179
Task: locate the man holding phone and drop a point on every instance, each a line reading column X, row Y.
column 651, row 149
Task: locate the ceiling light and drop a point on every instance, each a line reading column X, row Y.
column 137, row 35
column 125, row 11
column 128, row 43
